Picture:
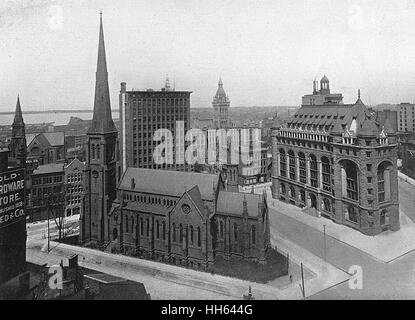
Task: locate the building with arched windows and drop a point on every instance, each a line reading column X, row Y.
column 335, row 161
column 187, row 219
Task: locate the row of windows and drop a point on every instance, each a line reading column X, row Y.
column 74, row 200
column 170, row 102
column 95, row 151
column 194, row 234
column 303, row 144
column 74, row 177
column 235, row 232
column 47, row 180
column 46, row 191
column 75, row 189
column 149, row 199
column 314, row 179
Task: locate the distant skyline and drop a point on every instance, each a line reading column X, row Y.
column 267, row 52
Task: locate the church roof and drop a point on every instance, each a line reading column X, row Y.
column 324, row 79
column 171, row 183
column 102, row 119
column 233, row 203
column 55, row 139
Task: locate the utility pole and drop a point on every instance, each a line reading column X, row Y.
column 302, row 280
column 324, row 238
column 48, row 225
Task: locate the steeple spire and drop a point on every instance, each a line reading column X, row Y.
column 18, row 117
column 102, row 119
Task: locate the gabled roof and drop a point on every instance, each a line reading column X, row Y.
column 233, row 203
column 75, row 163
column 196, row 197
column 29, row 138
column 49, row 168
column 47, row 139
column 55, row 139
column 172, row 183
column 368, row 128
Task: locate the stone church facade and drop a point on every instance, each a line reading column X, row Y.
column 335, row 161
column 187, row 219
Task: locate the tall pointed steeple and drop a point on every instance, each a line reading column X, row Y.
column 17, row 144
column 18, row 117
column 102, row 119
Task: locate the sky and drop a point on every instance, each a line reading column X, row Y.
column 267, row 52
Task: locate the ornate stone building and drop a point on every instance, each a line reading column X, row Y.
column 336, row 161
column 221, row 106
column 100, row 175
column 187, row 219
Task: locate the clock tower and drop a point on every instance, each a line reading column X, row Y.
column 100, row 179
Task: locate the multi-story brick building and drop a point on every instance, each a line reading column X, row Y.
column 387, row 114
column 406, row 117
column 334, row 160
column 47, row 194
column 187, row 219
column 74, row 187
column 142, row 113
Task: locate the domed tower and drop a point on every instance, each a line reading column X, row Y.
column 324, row 85
column 221, row 105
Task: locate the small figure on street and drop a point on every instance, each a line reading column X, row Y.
column 249, row 296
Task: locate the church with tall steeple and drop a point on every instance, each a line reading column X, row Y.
column 100, row 171
column 17, row 147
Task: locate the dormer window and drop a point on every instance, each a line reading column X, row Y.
column 383, row 141
column 348, row 140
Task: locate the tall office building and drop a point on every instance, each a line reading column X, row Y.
column 221, row 106
column 406, row 117
column 100, row 175
column 142, row 113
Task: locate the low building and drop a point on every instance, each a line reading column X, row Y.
column 47, row 194
column 101, row 286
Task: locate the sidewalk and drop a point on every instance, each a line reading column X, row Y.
column 325, row 275
column 170, row 282
column 406, row 178
column 385, row 247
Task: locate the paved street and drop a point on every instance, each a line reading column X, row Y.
column 393, row 280
column 181, row 283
